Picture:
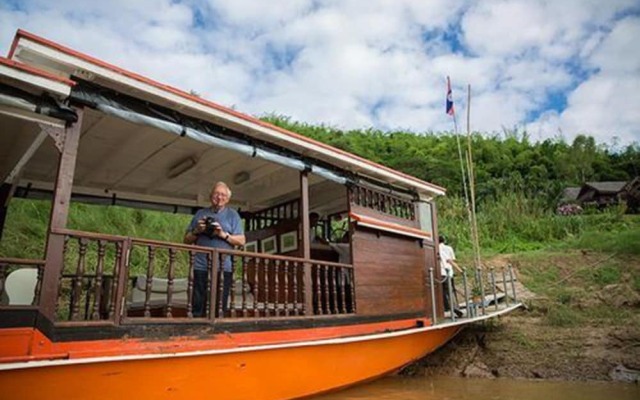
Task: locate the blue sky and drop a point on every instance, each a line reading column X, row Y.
column 552, row 68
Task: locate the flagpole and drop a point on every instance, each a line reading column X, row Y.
column 451, row 111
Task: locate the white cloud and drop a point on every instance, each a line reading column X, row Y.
column 506, row 27
column 380, row 63
column 618, row 52
column 606, row 104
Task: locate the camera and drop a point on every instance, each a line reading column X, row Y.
column 211, row 225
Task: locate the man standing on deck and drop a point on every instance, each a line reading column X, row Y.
column 220, row 227
column 447, row 264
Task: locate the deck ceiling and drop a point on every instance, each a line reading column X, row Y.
column 142, row 163
column 68, row 63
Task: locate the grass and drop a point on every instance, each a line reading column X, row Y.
column 603, row 275
column 522, row 339
column 27, row 222
column 513, row 224
column 563, row 316
column 569, row 262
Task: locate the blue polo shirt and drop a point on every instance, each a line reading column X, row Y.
column 230, row 221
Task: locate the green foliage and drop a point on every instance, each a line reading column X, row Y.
column 540, row 280
column 25, row 230
column 514, row 223
column 505, row 163
column 518, row 183
column 27, row 223
column 622, row 237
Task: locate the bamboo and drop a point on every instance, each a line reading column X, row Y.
column 474, row 224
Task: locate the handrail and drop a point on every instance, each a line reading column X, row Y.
column 21, row 261
column 182, row 246
column 90, row 235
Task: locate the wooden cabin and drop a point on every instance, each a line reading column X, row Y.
column 601, row 194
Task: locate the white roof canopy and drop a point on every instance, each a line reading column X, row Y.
column 121, row 158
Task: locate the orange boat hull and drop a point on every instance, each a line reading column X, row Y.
column 275, row 372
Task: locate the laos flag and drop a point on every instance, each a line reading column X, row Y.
column 450, row 109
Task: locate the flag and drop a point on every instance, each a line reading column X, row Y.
column 450, row 109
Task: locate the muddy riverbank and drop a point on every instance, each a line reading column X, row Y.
column 577, row 326
column 521, row 346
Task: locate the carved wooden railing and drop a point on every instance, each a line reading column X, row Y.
column 271, row 216
column 116, row 279
column 89, row 287
column 26, row 275
column 334, row 289
column 383, row 202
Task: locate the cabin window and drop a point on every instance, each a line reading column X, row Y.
column 425, row 216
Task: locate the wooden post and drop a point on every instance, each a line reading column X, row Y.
column 59, row 213
column 120, row 279
column 306, row 244
column 5, row 195
column 215, row 268
column 436, row 241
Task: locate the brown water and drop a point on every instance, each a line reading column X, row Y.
column 447, row 388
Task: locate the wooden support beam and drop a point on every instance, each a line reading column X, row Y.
column 58, row 220
column 306, row 244
column 10, row 181
column 5, row 193
column 14, row 175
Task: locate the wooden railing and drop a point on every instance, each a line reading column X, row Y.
column 474, row 293
column 116, row 279
column 271, row 216
column 383, row 202
column 20, row 282
column 333, row 286
column 93, row 266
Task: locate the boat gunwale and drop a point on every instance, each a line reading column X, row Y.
column 321, row 342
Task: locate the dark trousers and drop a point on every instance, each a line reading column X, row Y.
column 445, row 292
column 201, row 292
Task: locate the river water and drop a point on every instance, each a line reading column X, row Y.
column 449, row 388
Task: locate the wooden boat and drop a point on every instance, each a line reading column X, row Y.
column 108, row 316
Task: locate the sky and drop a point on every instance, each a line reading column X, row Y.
column 552, row 68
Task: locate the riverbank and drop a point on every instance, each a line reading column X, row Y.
column 581, row 323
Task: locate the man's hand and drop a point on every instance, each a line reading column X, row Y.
column 200, row 227
column 217, row 230
column 455, row 266
column 192, row 236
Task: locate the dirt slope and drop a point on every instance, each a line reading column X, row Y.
column 575, row 327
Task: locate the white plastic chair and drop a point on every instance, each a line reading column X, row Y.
column 20, row 286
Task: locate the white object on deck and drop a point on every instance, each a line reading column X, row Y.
column 20, row 286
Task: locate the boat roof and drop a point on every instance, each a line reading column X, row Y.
column 38, row 62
